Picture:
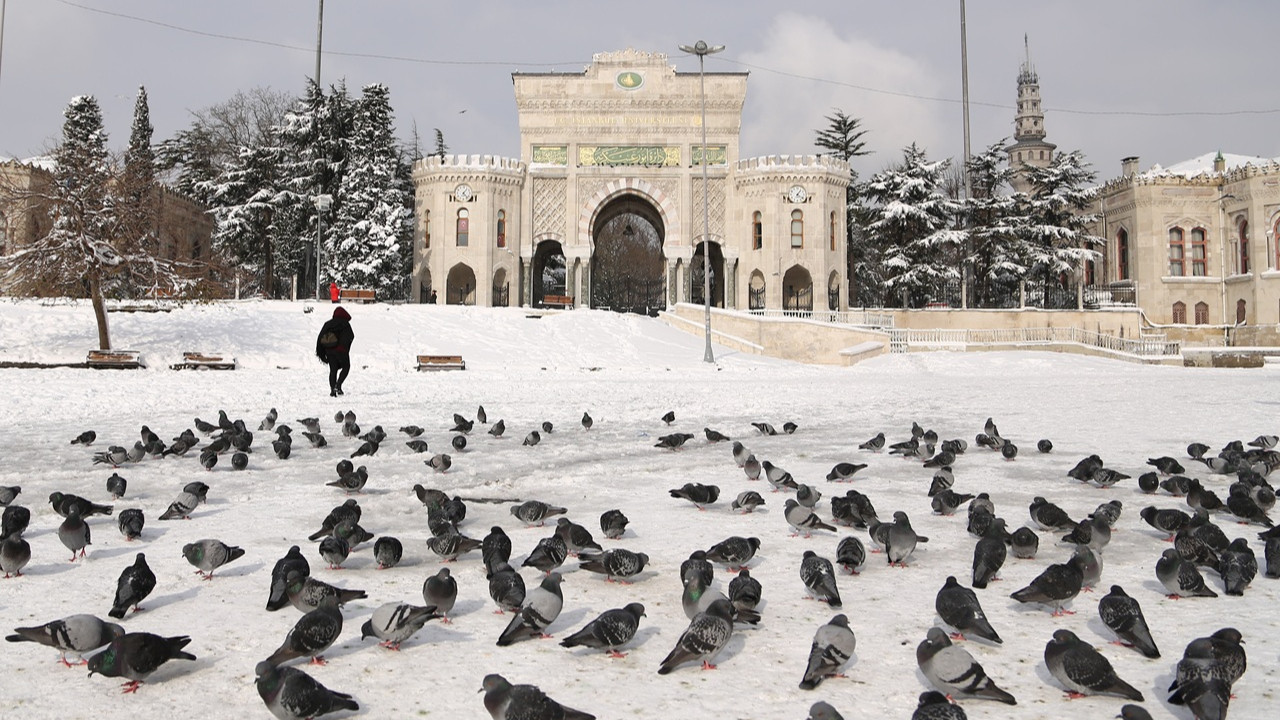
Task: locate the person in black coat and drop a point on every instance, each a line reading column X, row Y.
column 333, row 346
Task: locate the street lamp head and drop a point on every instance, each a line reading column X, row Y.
column 701, row 48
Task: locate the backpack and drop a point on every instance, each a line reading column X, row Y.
column 328, row 339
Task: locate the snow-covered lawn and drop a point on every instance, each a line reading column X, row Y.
column 626, row 371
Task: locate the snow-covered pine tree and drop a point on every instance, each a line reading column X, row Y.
column 76, row 255
column 842, row 138
column 372, row 231
column 913, row 228
column 135, row 192
column 1056, row 227
column 996, row 256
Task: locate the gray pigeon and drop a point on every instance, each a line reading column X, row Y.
column 116, row 486
column 740, row 453
column 577, row 539
column 85, row 438
column 452, row 544
column 291, row 562
column 498, row 428
column 505, row 701
column 744, row 591
column 989, row 554
column 1057, row 585
column 74, row 533
column 818, row 575
column 387, row 551
column 136, row 655
column 875, row 444
column 1122, row 614
column 209, row 555
column 613, row 524
column 1090, row 564
column 182, row 506
column 587, row 422
column 334, row 550
column 1129, row 711
column 1181, row 578
column 958, row 607
column 314, row 633
column 1166, row 520
column 851, row 554
column 1204, row 676
column 291, row 694
column 541, row 607
column 1024, row 543
column 15, row 553
column 535, row 512
column 823, row 711
column 1048, row 516
column 506, row 587
column 440, row 462
column 803, row 520
column 706, row 636
column 933, row 705
column 778, row 478
column 751, row 466
column 843, row 472
column 393, row 623
column 609, row 631
column 615, row 564
column 74, row 634
column 533, row 438
column 14, row 521
column 833, row 646
column 747, row 501
column 902, row 540
column 1237, row 566
column 697, row 493
column 1082, row 670
column 808, row 496
column 734, row 551
column 441, row 592
column 307, row 593
column 548, row 554
column 952, row 670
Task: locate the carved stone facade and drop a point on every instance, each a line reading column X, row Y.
column 1198, row 242
column 625, row 136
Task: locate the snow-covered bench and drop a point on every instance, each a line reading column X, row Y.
column 203, row 361
column 441, row 362
column 114, row 360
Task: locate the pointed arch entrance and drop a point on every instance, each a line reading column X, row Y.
column 797, row 291
column 549, row 276
column 460, row 286
column 628, row 268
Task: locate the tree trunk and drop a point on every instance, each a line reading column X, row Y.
column 99, row 311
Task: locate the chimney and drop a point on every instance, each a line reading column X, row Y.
column 1219, row 163
column 1129, row 166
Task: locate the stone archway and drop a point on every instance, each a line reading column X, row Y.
column 833, row 291
column 628, row 268
column 717, row 274
column 755, row 291
column 460, row 287
column 501, row 288
column 424, row 286
column 797, row 290
column 549, row 272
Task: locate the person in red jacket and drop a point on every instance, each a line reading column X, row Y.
column 333, row 346
column 333, row 292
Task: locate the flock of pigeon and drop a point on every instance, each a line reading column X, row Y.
column 1203, row 679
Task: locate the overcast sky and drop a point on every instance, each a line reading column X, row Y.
column 1118, row 77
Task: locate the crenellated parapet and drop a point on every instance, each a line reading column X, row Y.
column 458, row 168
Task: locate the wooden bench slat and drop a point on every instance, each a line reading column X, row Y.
column 441, row 362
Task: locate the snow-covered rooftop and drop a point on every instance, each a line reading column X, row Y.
column 1203, row 164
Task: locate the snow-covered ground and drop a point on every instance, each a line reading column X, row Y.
column 627, row 372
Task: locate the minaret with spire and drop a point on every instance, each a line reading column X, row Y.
column 1029, row 146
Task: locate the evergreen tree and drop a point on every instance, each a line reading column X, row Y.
column 248, row 202
column 842, row 138
column 913, row 227
column 371, row 237
column 136, row 188
column 996, row 256
column 441, row 149
column 77, row 254
column 1056, row 226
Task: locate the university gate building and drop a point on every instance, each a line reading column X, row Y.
column 604, row 207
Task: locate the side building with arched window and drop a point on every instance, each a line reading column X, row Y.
column 616, row 203
column 1196, row 243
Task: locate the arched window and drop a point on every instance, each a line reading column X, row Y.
column 1122, row 254
column 502, row 228
column 797, row 229
column 1244, row 246
column 1242, row 309
column 426, row 228
column 464, row 230
column 833, row 231
column 757, row 231
column 1177, row 252
column 1202, row 313
column 1199, row 255
column 1180, row 313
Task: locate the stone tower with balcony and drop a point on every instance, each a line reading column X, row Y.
column 1029, row 147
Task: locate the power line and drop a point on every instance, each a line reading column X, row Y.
column 761, row 68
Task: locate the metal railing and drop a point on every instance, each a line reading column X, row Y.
column 858, row 318
column 1159, row 346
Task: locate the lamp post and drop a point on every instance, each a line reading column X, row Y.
column 702, row 50
column 322, row 203
column 321, row 200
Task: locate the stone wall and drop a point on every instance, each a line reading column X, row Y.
column 796, row 339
